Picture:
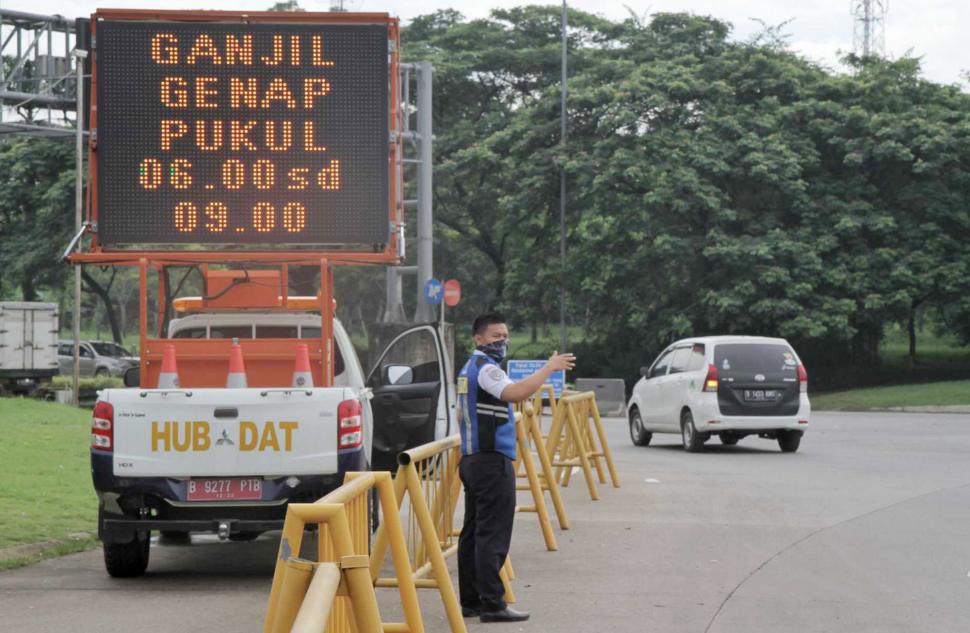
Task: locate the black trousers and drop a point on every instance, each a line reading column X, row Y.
column 487, row 531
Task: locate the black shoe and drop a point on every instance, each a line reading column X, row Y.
column 470, row 612
column 505, row 615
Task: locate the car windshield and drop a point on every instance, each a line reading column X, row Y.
column 110, row 349
column 754, row 357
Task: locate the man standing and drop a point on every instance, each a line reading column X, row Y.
column 487, row 424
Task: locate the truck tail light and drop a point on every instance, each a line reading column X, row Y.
column 802, row 379
column 102, row 427
column 350, row 433
column 711, row 382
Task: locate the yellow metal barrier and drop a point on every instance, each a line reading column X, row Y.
column 572, row 441
column 305, row 594
column 427, row 483
column 529, row 437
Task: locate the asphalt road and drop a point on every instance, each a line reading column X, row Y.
column 866, row 528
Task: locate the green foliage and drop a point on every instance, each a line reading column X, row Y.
column 87, row 384
column 715, row 187
column 36, row 213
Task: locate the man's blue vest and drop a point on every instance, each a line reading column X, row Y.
column 487, row 423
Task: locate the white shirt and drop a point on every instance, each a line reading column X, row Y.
column 492, row 379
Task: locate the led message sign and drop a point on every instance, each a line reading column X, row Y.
column 252, row 134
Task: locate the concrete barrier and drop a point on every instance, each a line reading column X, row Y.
column 610, row 394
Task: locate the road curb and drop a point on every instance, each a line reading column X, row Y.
column 33, row 549
column 949, row 408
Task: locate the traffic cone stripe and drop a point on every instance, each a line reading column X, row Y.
column 168, row 377
column 237, row 369
column 302, row 375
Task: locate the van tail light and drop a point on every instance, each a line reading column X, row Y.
column 802, row 379
column 102, row 427
column 350, row 433
column 711, row 383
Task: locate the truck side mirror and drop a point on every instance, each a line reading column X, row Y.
column 644, row 371
column 132, row 377
column 398, row 375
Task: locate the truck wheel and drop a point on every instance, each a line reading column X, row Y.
column 127, row 560
column 788, row 441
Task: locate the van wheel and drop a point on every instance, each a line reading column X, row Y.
column 693, row 440
column 127, row 560
column 788, row 441
column 729, row 439
column 638, row 434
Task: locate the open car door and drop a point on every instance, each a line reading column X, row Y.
column 414, row 398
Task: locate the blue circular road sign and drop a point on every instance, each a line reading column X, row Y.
column 434, row 291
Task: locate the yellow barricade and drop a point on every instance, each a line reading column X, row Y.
column 529, row 437
column 572, row 441
column 427, row 482
column 546, row 392
column 339, row 590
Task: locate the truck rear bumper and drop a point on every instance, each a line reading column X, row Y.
column 131, row 505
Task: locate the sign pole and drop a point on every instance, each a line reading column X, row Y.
column 79, row 57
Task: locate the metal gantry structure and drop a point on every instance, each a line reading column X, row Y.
column 869, row 27
column 38, row 74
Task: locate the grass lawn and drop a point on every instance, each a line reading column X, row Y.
column 953, row 392
column 45, row 469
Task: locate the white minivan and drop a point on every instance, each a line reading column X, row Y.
column 729, row 386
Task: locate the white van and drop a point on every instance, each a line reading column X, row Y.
column 729, row 386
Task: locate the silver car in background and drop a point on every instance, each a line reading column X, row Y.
column 97, row 358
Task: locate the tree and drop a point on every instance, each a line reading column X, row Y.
column 36, row 213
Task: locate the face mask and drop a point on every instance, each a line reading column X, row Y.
column 496, row 351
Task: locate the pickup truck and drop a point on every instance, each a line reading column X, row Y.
column 205, row 458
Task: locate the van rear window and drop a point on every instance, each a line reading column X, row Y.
column 754, row 358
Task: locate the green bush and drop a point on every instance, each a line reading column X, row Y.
column 65, row 383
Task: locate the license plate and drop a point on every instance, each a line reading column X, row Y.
column 761, row 395
column 225, row 489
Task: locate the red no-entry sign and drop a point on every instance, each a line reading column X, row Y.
column 452, row 292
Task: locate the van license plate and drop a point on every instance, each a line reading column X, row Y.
column 761, row 395
column 225, row 489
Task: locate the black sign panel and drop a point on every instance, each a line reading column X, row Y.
column 242, row 134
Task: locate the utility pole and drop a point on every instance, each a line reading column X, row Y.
column 869, row 31
column 562, row 192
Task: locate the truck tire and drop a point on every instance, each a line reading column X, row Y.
column 127, row 560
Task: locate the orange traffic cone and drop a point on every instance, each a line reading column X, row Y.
column 237, row 369
column 168, row 378
column 302, row 376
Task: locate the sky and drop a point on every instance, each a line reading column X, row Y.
column 935, row 30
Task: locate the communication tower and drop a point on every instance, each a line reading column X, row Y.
column 869, row 31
